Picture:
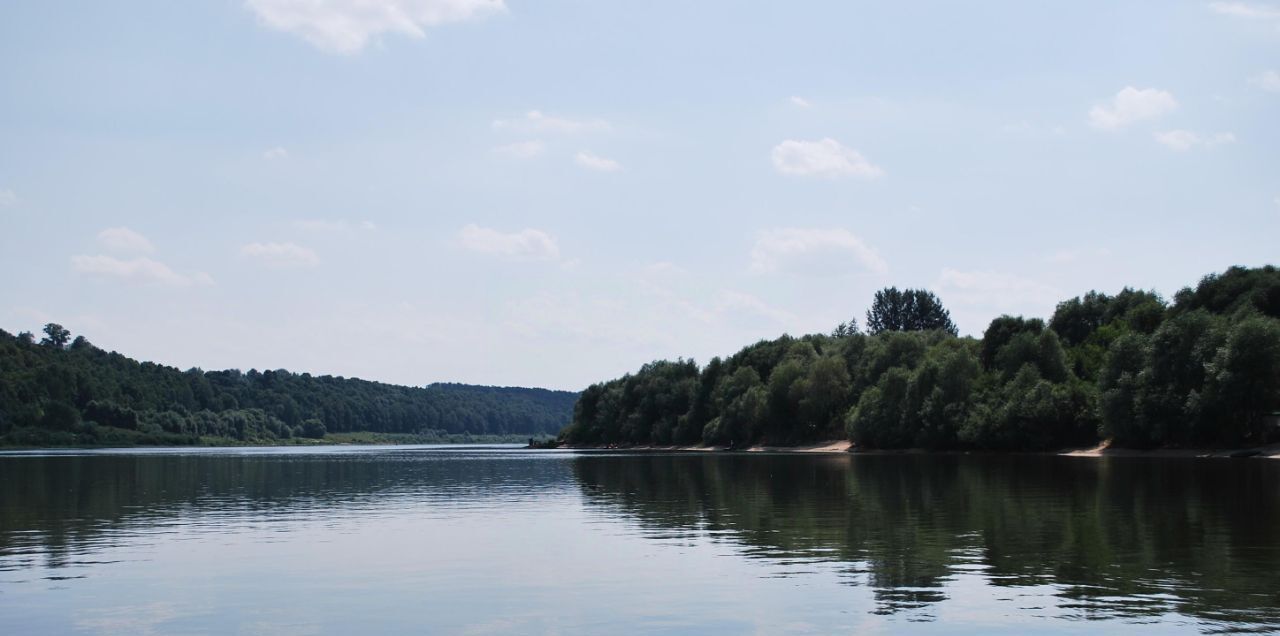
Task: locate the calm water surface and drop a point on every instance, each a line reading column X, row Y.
column 500, row 540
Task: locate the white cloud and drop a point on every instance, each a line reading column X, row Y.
column 275, row 153
column 1184, row 140
column 281, row 254
column 137, row 270
column 1246, row 10
column 7, row 198
column 123, row 239
column 1268, row 81
column 527, row 244
column 595, row 162
column 800, row 101
column 331, row 225
column 822, row 158
column 814, row 251
column 521, row 149
column 346, row 26
column 1131, row 105
column 536, row 122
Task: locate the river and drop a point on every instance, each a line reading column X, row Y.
column 477, row 540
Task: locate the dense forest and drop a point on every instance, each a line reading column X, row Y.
column 1202, row 370
column 62, row 391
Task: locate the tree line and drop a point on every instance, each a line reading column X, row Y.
column 1202, row 370
column 61, row 390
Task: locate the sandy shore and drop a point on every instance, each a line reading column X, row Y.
column 1104, row 450
column 845, row 446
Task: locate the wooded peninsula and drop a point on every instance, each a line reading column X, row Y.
column 1132, row 368
column 67, row 392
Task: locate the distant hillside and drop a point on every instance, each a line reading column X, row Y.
column 64, row 391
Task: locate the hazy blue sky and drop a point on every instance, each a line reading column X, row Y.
column 550, row 193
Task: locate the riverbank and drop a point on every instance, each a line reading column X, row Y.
column 90, row 437
column 1104, row 449
column 1271, row 451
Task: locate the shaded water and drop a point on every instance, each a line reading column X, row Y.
column 500, row 540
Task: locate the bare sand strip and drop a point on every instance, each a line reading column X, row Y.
column 1104, row 450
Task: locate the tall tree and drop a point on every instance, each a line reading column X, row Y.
column 55, row 336
column 908, row 310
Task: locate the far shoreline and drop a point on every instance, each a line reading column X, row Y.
column 332, row 440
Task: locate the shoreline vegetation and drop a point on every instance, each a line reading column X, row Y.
column 1141, row 373
column 65, row 392
column 355, row 438
column 1192, row 377
column 844, row 446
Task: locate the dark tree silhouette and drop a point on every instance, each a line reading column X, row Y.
column 908, row 310
column 55, row 336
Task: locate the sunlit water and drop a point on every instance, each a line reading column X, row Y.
column 500, row 540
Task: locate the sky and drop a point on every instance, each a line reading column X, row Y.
column 553, row 193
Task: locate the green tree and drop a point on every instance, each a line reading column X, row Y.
column 55, row 336
column 1076, row 319
column 821, row 394
column 908, row 310
column 1121, row 386
column 941, row 393
column 845, row 329
column 743, row 406
column 879, row 420
column 1042, row 351
column 60, row 416
column 1001, row 331
column 1244, row 381
column 1235, row 290
column 313, row 428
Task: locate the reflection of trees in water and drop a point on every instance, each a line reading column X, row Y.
column 1115, row 537
column 54, row 509
column 1130, row 537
